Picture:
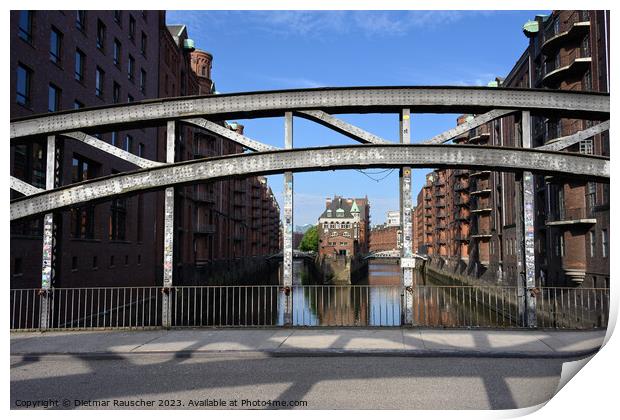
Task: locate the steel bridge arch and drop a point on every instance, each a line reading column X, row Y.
column 420, row 99
column 311, row 159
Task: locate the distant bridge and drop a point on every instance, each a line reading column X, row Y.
column 392, row 253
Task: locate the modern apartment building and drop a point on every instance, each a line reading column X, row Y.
column 61, row 60
column 568, row 50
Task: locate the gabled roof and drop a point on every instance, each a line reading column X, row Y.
column 343, row 208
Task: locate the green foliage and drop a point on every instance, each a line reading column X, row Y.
column 310, row 241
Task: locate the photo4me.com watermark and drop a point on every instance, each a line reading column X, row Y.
column 67, row 403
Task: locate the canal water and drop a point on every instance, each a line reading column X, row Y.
column 375, row 301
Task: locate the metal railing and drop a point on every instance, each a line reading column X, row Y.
column 310, row 306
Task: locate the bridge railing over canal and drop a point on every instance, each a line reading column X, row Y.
column 312, row 306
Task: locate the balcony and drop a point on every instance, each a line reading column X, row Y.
column 428, row 206
column 427, row 197
column 428, row 215
column 481, row 234
column 567, row 217
column 440, row 194
column 439, row 183
column 479, row 138
column 204, row 228
column 441, row 215
column 558, row 32
column 440, row 204
column 479, row 174
column 440, row 226
column 480, row 187
column 573, row 63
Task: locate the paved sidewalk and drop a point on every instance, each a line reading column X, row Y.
column 309, row 342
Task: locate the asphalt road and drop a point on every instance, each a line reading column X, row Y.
column 167, row 381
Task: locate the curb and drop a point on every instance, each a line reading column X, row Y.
column 187, row 354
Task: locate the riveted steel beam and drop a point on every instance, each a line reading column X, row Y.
column 316, row 159
column 24, row 187
column 287, row 240
column 562, row 143
column 48, row 238
column 473, row 100
column 469, row 125
column 112, row 150
column 168, row 254
column 528, row 227
column 342, row 127
column 406, row 204
column 229, row 134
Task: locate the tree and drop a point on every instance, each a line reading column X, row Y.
column 310, row 241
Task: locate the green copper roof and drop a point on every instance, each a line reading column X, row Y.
column 354, row 208
column 530, row 27
column 492, row 83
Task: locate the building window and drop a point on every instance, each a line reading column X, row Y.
column 114, row 140
column 53, row 101
column 80, row 20
column 131, row 64
column 143, row 44
column 561, row 241
column 129, row 98
column 142, row 81
column 141, row 149
column 116, row 53
column 111, row 260
column 95, row 263
column 587, row 80
column 25, row 25
column 118, row 219
column 591, row 197
column 118, row 15
column 77, row 104
column 99, row 80
column 74, row 263
column 116, row 93
column 592, row 243
column 605, row 243
column 100, row 35
column 24, row 78
column 79, row 65
column 55, row 45
column 128, row 146
column 585, row 147
column 83, row 218
column 132, row 28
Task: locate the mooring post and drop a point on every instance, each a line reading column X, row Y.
column 528, row 228
column 48, row 238
column 287, row 242
column 168, row 232
column 407, row 262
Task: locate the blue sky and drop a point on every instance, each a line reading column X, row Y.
column 263, row 50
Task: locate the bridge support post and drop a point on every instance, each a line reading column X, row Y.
column 48, row 238
column 287, row 240
column 528, row 228
column 168, row 263
column 406, row 257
